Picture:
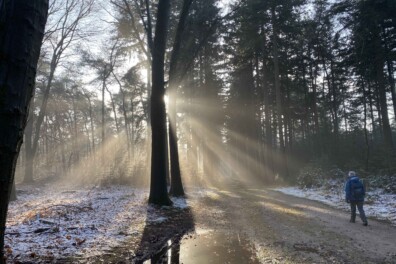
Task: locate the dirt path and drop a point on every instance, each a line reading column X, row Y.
column 286, row 229
column 246, row 225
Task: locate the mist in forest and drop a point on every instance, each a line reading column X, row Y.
column 254, row 99
column 130, row 107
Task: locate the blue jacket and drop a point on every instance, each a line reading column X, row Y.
column 348, row 190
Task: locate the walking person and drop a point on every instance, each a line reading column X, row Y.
column 354, row 195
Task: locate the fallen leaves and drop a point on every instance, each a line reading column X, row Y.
column 8, row 250
column 50, row 224
column 79, row 241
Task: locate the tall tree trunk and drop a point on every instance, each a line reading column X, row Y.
column 92, row 126
column 259, row 123
column 88, row 142
column 365, row 126
column 148, row 129
column 114, row 110
column 176, row 188
column 44, row 103
column 306, row 119
column 387, row 132
column 392, row 85
column 124, row 112
column 13, row 196
column 289, row 122
column 28, row 178
column 379, row 111
column 75, row 144
column 267, row 124
column 370, row 98
column 103, row 110
column 313, row 75
column 21, row 31
column 158, row 188
column 133, row 130
column 389, row 64
column 335, row 108
column 62, row 146
column 279, row 109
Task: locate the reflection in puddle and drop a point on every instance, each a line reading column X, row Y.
column 169, row 254
column 207, row 248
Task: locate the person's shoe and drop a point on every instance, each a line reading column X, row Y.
column 365, row 224
column 351, row 221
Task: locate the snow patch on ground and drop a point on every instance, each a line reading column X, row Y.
column 377, row 203
column 52, row 224
column 158, row 220
column 179, row 202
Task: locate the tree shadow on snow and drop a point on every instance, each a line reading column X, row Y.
column 160, row 241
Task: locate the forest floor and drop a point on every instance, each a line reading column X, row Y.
column 236, row 224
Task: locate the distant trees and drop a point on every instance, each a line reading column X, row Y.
column 21, row 31
column 61, row 32
column 262, row 35
column 69, row 139
column 255, row 90
column 368, row 53
column 315, row 90
column 373, row 30
column 104, row 65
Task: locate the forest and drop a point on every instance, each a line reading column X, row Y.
column 161, row 120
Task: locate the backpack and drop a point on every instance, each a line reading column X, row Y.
column 357, row 190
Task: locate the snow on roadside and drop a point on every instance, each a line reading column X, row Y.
column 59, row 223
column 378, row 204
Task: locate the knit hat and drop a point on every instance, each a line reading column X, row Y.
column 351, row 174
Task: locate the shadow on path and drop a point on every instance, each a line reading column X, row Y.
column 164, row 238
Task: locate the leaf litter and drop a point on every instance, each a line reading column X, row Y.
column 47, row 224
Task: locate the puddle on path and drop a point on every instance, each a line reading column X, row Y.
column 212, row 247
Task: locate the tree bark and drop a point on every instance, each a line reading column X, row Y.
column 13, row 196
column 267, row 123
column 43, row 108
column 392, row 85
column 91, row 124
column 28, row 178
column 158, row 188
column 335, row 108
column 114, row 110
column 387, row 132
column 124, row 112
column 365, row 126
column 75, row 144
column 379, row 63
column 279, row 109
column 21, row 31
column 103, row 111
column 176, row 181
column 371, row 104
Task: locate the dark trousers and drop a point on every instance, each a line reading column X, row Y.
column 359, row 206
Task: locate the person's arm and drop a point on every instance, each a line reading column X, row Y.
column 347, row 191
